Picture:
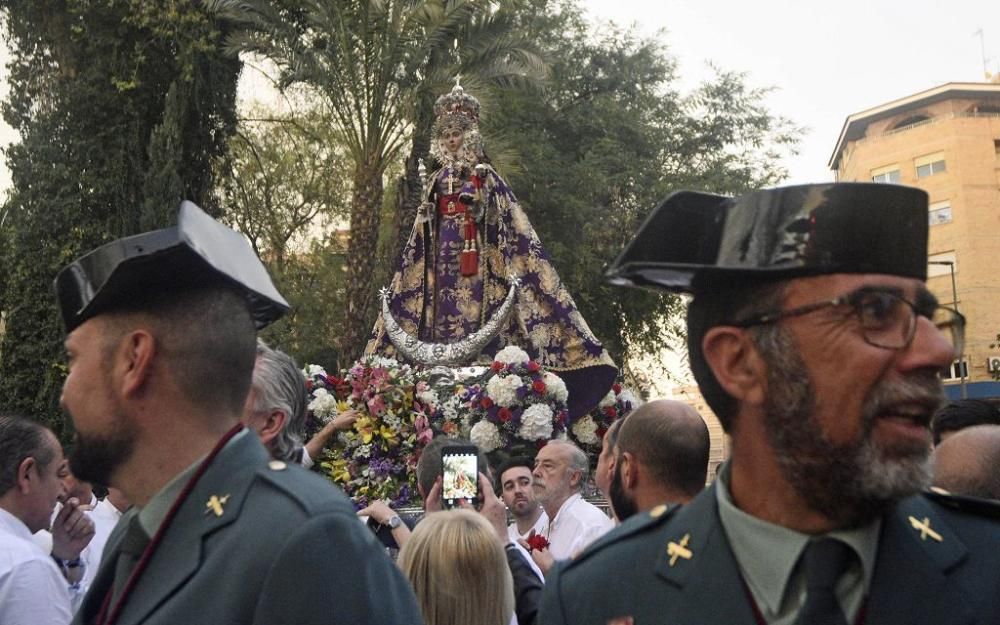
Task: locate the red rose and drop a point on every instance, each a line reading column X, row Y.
column 537, row 541
column 504, row 414
column 538, row 386
column 309, row 385
column 617, row 388
column 497, row 366
column 610, row 412
column 601, row 432
column 533, row 366
column 486, row 403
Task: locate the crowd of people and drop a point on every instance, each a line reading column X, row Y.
column 811, row 334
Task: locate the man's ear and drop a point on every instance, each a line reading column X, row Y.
column 134, row 360
column 274, row 422
column 736, row 363
column 27, row 471
column 629, row 470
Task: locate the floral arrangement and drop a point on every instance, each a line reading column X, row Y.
column 377, row 458
column 517, row 404
column 589, row 430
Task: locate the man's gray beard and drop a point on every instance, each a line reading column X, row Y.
column 849, row 483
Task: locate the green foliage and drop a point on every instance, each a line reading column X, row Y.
column 104, row 152
column 609, row 138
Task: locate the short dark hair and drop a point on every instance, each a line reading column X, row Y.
column 675, row 450
column 958, row 415
column 429, row 465
column 721, row 304
column 21, row 438
column 510, row 463
column 208, row 340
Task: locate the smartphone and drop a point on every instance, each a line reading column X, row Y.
column 459, row 475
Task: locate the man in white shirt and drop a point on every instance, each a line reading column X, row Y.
column 519, row 497
column 559, row 475
column 33, row 589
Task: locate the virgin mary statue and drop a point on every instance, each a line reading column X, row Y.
column 474, row 278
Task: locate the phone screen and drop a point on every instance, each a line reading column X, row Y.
column 460, row 475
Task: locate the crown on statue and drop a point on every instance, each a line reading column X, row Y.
column 456, row 109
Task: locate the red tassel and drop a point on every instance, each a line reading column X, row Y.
column 469, row 262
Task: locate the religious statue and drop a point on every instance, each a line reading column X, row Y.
column 474, row 277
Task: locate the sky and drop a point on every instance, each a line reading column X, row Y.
column 825, row 60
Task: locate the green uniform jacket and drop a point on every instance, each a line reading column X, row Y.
column 918, row 579
column 287, row 549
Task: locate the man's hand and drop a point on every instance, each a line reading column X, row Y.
column 72, row 530
column 492, row 509
column 343, row 421
column 433, row 501
column 378, row 510
column 542, row 557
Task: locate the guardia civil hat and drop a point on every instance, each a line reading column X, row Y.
column 696, row 240
column 197, row 252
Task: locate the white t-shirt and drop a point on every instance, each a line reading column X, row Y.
column 105, row 517
column 32, row 589
column 541, row 524
column 576, row 525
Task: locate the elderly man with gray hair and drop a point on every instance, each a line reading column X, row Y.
column 559, row 477
column 276, row 409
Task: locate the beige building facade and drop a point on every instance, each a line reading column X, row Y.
column 945, row 141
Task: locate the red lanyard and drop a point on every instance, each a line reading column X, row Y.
column 103, row 617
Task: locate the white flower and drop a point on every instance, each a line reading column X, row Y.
column 503, row 390
column 609, row 400
column 585, row 431
column 512, row 355
column 536, row 423
column 486, row 436
column 312, row 370
column 428, row 397
column 555, row 387
column 323, row 405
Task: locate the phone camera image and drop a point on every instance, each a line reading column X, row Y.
column 460, row 477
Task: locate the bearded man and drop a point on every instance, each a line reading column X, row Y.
column 815, row 340
column 161, row 345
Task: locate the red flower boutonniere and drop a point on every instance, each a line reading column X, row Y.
column 537, row 541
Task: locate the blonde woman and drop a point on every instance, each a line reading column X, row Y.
column 458, row 570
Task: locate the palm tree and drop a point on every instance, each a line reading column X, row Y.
column 369, row 59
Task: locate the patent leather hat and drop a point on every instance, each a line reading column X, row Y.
column 694, row 241
column 197, row 252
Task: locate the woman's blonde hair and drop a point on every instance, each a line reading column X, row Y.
column 458, row 570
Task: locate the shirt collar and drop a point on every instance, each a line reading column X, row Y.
column 152, row 514
column 15, row 525
column 767, row 553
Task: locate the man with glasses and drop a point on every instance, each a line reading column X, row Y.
column 815, row 341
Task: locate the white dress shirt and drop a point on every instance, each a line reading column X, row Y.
column 32, row 589
column 540, row 526
column 105, row 516
column 576, row 525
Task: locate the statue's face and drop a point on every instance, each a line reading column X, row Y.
column 452, row 139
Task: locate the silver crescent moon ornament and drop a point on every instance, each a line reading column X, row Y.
column 462, row 352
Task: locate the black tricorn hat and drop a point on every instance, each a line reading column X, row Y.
column 693, row 241
column 198, row 251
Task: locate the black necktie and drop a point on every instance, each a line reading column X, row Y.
column 130, row 552
column 825, row 560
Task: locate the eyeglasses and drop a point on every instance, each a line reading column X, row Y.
column 888, row 320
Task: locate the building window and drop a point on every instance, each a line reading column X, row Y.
column 956, row 371
column 889, row 174
column 941, row 264
column 929, row 165
column 940, row 213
